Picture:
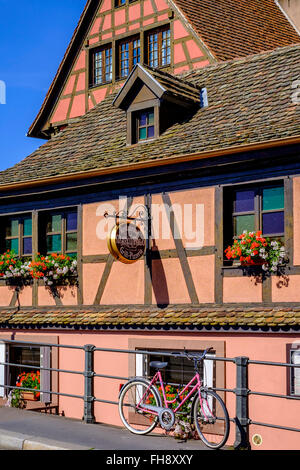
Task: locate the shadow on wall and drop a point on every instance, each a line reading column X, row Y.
column 159, row 281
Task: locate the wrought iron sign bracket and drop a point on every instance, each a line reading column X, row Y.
column 123, row 215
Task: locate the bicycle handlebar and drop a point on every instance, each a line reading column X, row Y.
column 192, row 357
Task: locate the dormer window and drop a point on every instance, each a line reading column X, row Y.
column 153, row 101
column 145, row 125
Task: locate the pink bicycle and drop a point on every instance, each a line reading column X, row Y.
column 142, row 407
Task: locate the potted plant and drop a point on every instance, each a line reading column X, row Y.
column 54, row 269
column 30, row 381
column 252, row 249
column 14, row 269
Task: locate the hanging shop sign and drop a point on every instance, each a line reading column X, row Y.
column 126, row 242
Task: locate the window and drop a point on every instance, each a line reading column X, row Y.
column 293, row 373
column 129, row 55
column 23, row 355
column 179, row 371
column 18, row 235
column 145, row 125
column 37, row 358
column 101, row 66
column 119, row 3
column 254, row 208
column 158, row 47
column 58, row 232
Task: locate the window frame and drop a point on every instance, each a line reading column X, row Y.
column 93, row 52
column 160, row 30
column 290, row 349
column 48, row 359
column 130, row 41
column 258, row 212
column 207, row 370
column 44, row 234
column 132, row 113
column 138, row 125
column 175, row 344
column 21, row 237
column 118, row 4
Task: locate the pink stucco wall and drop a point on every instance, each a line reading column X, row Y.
column 261, row 378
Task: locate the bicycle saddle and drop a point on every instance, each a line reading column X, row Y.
column 158, row 365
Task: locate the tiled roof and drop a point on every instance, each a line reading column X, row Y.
column 236, row 28
column 172, row 316
column 229, row 28
column 250, row 101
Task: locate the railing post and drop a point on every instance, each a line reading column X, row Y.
column 242, row 404
column 89, row 373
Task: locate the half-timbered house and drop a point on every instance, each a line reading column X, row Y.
column 185, row 117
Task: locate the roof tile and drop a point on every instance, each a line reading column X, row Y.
column 242, row 110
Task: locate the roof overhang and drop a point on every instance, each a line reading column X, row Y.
column 173, row 160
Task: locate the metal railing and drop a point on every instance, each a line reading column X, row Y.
column 241, row 420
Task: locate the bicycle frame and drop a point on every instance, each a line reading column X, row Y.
column 158, row 378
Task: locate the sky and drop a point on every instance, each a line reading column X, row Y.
column 34, row 36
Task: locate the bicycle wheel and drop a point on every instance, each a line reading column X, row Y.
column 133, row 396
column 211, row 419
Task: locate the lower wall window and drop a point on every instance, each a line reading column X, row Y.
column 27, row 355
column 179, row 371
column 293, row 373
column 18, row 356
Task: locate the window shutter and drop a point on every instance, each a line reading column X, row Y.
column 45, row 374
column 208, row 373
column 3, row 350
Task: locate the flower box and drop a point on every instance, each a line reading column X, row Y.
column 29, row 396
column 253, row 263
column 54, row 269
column 252, row 249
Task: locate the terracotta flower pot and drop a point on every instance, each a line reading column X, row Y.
column 29, row 396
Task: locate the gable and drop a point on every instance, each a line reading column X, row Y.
column 111, row 25
column 201, row 32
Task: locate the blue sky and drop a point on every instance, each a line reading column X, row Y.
column 34, row 36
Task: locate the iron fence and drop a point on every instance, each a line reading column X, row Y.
column 241, row 420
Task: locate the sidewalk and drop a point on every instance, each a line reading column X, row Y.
column 27, row 430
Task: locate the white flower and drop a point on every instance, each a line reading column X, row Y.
column 50, row 283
